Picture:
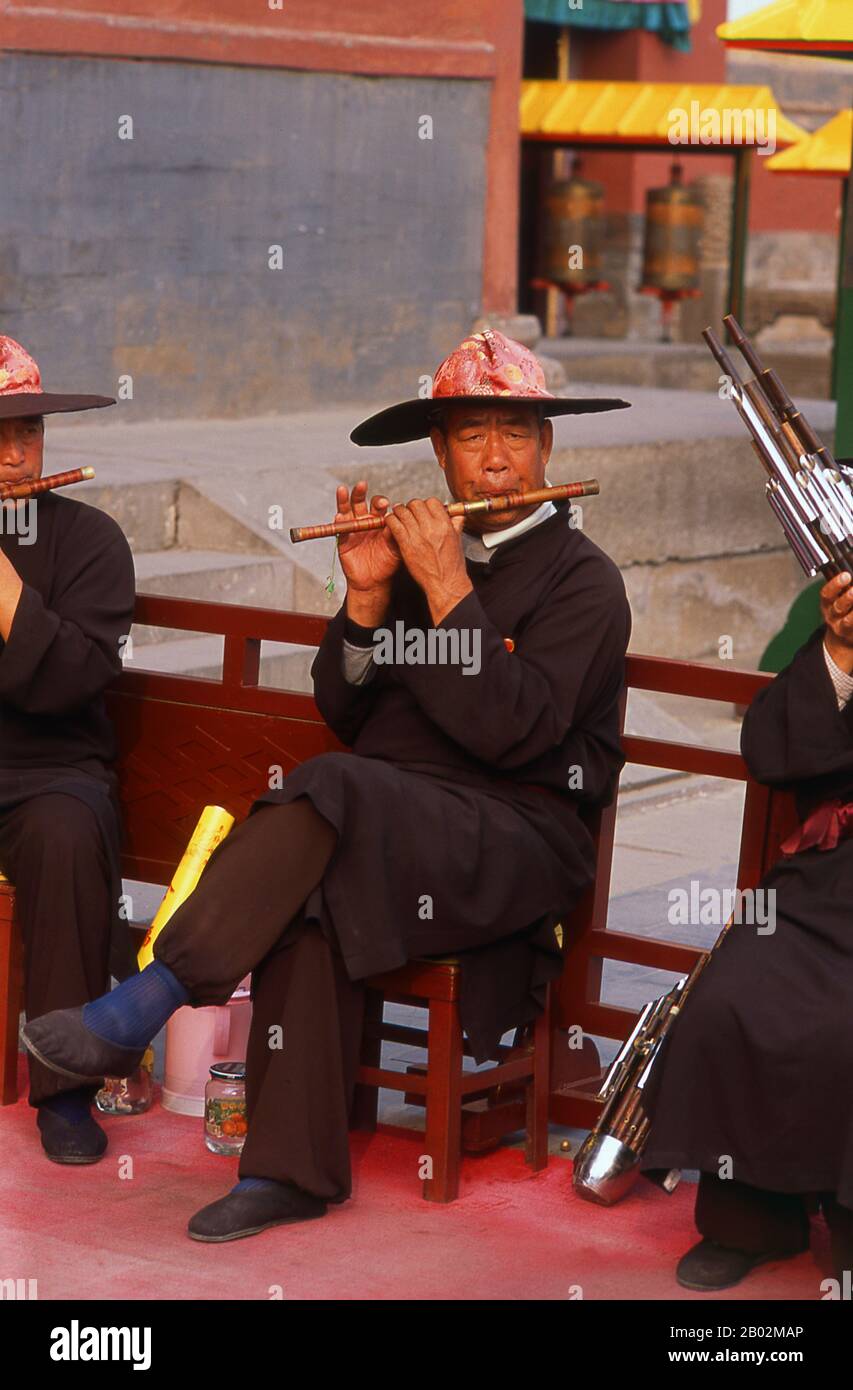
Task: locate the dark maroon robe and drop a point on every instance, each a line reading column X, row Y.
column 64, row 648
column 760, row 1064
column 458, row 811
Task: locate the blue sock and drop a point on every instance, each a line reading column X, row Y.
column 252, row 1184
column 135, row 1011
column 74, row 1106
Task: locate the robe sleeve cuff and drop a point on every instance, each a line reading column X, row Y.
column 841, row 680
column 357, row 635
column 357, row 663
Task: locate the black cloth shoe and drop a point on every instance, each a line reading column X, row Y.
column 62, row 1042
column 709, row 1266
column 65, row 1142
column 245, row 1213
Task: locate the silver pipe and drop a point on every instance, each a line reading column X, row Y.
column 791, row 533
column 776, row 460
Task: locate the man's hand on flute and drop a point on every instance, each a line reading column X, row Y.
column 369, row 559
column 429, row 542
column 836, row 604
column 10, row 592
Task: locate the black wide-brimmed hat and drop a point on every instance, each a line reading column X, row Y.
column 486, row 367
column 21, row 391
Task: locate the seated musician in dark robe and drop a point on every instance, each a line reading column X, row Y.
column 755, row 1088
column 66, row 603
column 454, row 825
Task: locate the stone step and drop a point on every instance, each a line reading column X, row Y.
column 264, row 581
column 804, row 367
column 270, row 580
column 766, row 303
column 175, row 514
column 147, row 512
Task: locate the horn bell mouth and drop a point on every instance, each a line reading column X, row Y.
column 605, row 1169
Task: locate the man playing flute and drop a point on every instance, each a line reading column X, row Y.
column 755, row 1087
column 454, row 825
column 66, row 603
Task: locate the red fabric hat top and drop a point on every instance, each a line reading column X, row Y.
column 19, row 372
column 485, row 364
column 488, row 364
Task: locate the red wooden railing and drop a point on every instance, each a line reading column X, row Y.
column 187, row 740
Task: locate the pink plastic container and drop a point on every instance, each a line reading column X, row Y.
column 196, row 1038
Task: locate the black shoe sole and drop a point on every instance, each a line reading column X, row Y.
column 715, row 1288
column 79, row 1158
column 255, row 1230
column 53, row 1066
column 732, row 1283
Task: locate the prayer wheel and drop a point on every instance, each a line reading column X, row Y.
column 572, row 233
column 673, row 235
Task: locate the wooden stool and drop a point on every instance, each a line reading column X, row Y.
column 11, row 992
column 442, row 1086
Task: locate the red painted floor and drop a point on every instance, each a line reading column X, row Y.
column 116, row 1229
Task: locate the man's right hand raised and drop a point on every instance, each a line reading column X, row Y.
column 836, row 602
column 369, row 559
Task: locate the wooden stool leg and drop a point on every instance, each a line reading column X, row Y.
column 11, row 995
column 443, row 1101
column 537, row 1092
column 365, row 1105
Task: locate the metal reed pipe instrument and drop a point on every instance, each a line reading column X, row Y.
column 31, row 487
column 809, row 493
column 501, row 503
column 811, row 496
column 607, row 1163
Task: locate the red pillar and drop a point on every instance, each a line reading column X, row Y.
column 500, row 231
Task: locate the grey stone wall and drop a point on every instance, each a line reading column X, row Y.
column 150, row 255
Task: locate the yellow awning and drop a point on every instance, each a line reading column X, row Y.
column 826, row 151
column 641, row 113
column 795, row 26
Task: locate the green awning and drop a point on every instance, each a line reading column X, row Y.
column 670, row 22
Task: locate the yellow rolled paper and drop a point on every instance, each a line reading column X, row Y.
column 213, row 825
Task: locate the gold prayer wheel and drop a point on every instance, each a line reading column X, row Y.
column 673, row 236
column 573, row 230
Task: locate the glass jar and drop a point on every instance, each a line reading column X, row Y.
column 129, row 1095
column 225, row 1122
